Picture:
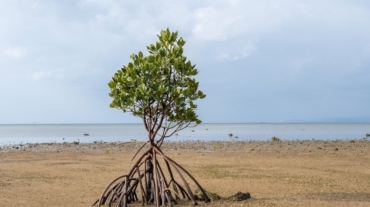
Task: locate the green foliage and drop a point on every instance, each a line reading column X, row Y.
column 159, row 87
column 275, row 139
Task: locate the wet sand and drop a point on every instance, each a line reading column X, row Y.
column 275, row 173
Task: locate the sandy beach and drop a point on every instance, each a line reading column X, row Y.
column 275, row 173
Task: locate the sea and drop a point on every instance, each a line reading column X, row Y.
column 11, row 134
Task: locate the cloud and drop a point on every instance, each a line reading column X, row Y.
column 41, row 74
column 35, row 5
column 234, row 28
column 240, row 51
column 266, row 53
column 15, row 52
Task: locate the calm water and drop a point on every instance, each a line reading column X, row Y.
column 32, row 133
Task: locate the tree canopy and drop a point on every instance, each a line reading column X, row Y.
column 159, row 88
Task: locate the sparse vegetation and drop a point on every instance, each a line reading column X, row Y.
column 275, row 139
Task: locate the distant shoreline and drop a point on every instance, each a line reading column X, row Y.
column 178, row 145
column 140, row 123
column 59, row 133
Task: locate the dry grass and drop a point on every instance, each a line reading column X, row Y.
column 285, row 173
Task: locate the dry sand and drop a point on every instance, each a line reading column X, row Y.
column 275, row 173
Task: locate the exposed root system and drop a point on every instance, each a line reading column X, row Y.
column 156, row 178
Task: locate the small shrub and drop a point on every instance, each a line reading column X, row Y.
column 275, row 139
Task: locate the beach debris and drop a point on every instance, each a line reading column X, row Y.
column 239, row 196
column 230, row 135
column 275, row 139
column 86, row 134
column 198, row 195
column 47, row 143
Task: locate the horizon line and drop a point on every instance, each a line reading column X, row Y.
column 290, row 122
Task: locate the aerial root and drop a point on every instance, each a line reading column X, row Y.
column 154, row 184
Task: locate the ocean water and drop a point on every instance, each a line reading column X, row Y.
column 38, row 133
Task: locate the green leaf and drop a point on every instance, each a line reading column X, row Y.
column 162, row 53
column 136, row 62
column 160, row 83
column 142, row 88
column 201, row 95
column 112, row 84
column 181, row 42
column 192, row 105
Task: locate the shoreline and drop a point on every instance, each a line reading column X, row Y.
column 18, row 134
column 96, row 146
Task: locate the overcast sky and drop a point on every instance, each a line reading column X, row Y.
column 258, row 61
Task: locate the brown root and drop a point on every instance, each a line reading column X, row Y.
column 157, row 184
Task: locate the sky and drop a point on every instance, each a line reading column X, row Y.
column 258, row 60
